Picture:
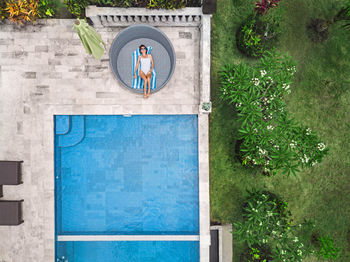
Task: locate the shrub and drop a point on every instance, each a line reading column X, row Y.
column 76, row 7
column 249, row 41
column 48, row 8
column 267, row 225
column 264, row 216
column 327, row 249
column 21, row 11
column 258, row 33
column 271, row 138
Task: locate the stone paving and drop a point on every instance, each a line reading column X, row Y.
column 44, row 70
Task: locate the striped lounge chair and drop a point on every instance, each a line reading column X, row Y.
column 138, row 83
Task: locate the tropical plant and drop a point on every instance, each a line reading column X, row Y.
column 3, row 13
column 76, row 7
column 270, row 137
column 259, row 254
column 327, row 249
column 264, row 216
column 20, row 11
column 249, row 41
column 259, row 33
column 48, row 8
column 289, row 248
column 267, row 223
column 264, row 6
column 318, row 28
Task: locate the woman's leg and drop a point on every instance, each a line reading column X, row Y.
column 144, row 77
column 149, row 77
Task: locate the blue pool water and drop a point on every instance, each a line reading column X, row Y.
column 129, row 251
column 118, row 175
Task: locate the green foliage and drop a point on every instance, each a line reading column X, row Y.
column 271, row 137
column 267, row 222
column 76, row 7
column 249, row 41
column 118, row 3
column 327, row 249
column 320, row 99
column 265, row 218
column 3, row 13
column 258, row 255
column 259, row 33
column 344, row 15
column 48, row 8
column 165, row 4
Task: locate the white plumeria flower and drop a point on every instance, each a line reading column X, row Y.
column 293, row 144
column 296, row 239
column 308, row 131
column 256, row 81
column 285, row 87
column 269, row 127
column 263, row 73
column 321, row 146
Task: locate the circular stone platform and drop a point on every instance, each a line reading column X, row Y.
column 128, row 40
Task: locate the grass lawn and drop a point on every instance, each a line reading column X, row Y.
column 320, row 99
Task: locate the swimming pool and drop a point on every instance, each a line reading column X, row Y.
column 133, row 251
column 126, row 175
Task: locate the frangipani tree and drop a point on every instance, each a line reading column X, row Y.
column 270, row 137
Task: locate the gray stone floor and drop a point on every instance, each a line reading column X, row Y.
column 44, row 70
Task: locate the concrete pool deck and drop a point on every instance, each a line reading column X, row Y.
column 45, row 71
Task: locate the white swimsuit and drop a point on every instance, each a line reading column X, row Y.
column 145, row 64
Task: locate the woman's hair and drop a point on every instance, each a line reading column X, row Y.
column 144, row 47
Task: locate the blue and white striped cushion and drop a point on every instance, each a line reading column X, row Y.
column 138, row 83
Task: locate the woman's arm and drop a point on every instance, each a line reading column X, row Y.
column 152, row 63
column 137, row 65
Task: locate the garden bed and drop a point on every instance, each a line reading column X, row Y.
column 318, row 99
